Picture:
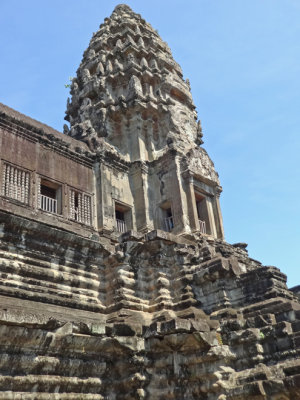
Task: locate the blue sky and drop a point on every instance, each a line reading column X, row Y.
column 243, row 62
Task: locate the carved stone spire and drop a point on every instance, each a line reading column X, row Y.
column 128, row 73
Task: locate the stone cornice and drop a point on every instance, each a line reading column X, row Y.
column 34, row 131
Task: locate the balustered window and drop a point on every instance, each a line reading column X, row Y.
column 49, row 196
column 122, row 218
column 16, row 183
column 80, row 207
column 202, row 212
column 167, row 218
column 169, row 223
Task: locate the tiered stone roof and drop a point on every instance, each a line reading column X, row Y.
column 129, row 81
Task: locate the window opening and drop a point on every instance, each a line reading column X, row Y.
column 202, row 213
column 120, row 215
column 169, row 223
column 16, row 183
column 50, row 197
column 47, row 191
column 122, row 218
column 166, row 216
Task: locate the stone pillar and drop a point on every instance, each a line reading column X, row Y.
column 150, row 139
column 103, row 200
column 37, row 194
column 144, row 175
column 33, row 190
column 65, row 201
column 139, row 186
column 210, row 216
column 191, row 202
column 177, row 195
column 219, row 219
column 136, row 144
column 94, row 204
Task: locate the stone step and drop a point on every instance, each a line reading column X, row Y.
column 13, row 395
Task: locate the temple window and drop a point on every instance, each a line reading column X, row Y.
column 16, row 183
column 122, row 217
column 202, row 213
column 80, row 207
column 169, row 223
column 49, row 196
column 167, row 217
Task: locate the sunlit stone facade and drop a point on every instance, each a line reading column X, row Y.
column 115, row 279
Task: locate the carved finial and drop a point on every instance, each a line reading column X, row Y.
column 199, row 133
column 109, row 67
column 150, row 92
column 153, row 64
column 144, row 63
column 91, row 53
column 187, row 81
column 141, row 42
column 74, row 87
column 100, row 69
column 66, row 129
column 118, row 66
column 85, row 75
column 130, row 59
column 121, row 8
column 119, row 44
column 134, row 88
column 130, row 40
column 102, row 56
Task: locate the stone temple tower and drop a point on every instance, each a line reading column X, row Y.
column 116, row 282
column 135, row 111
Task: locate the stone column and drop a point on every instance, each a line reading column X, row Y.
column 210, row 215
column 36, row 193
column 139, row 185
column 176, row 193
column 191, row 201
column 64, row 201
column 150, row 139
column 102, row 195
column 136, row 144
column 219, row 219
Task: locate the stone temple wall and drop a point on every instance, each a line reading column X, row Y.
column 90, row 310
column 39, row 152
column 155, row 317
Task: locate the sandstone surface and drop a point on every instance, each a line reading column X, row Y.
column 115, row 278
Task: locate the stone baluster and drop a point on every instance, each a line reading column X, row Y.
column 27, row 187
column 79, row 207
column 4, row 179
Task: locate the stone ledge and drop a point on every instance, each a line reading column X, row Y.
column 162, row 235
column 132, row 236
